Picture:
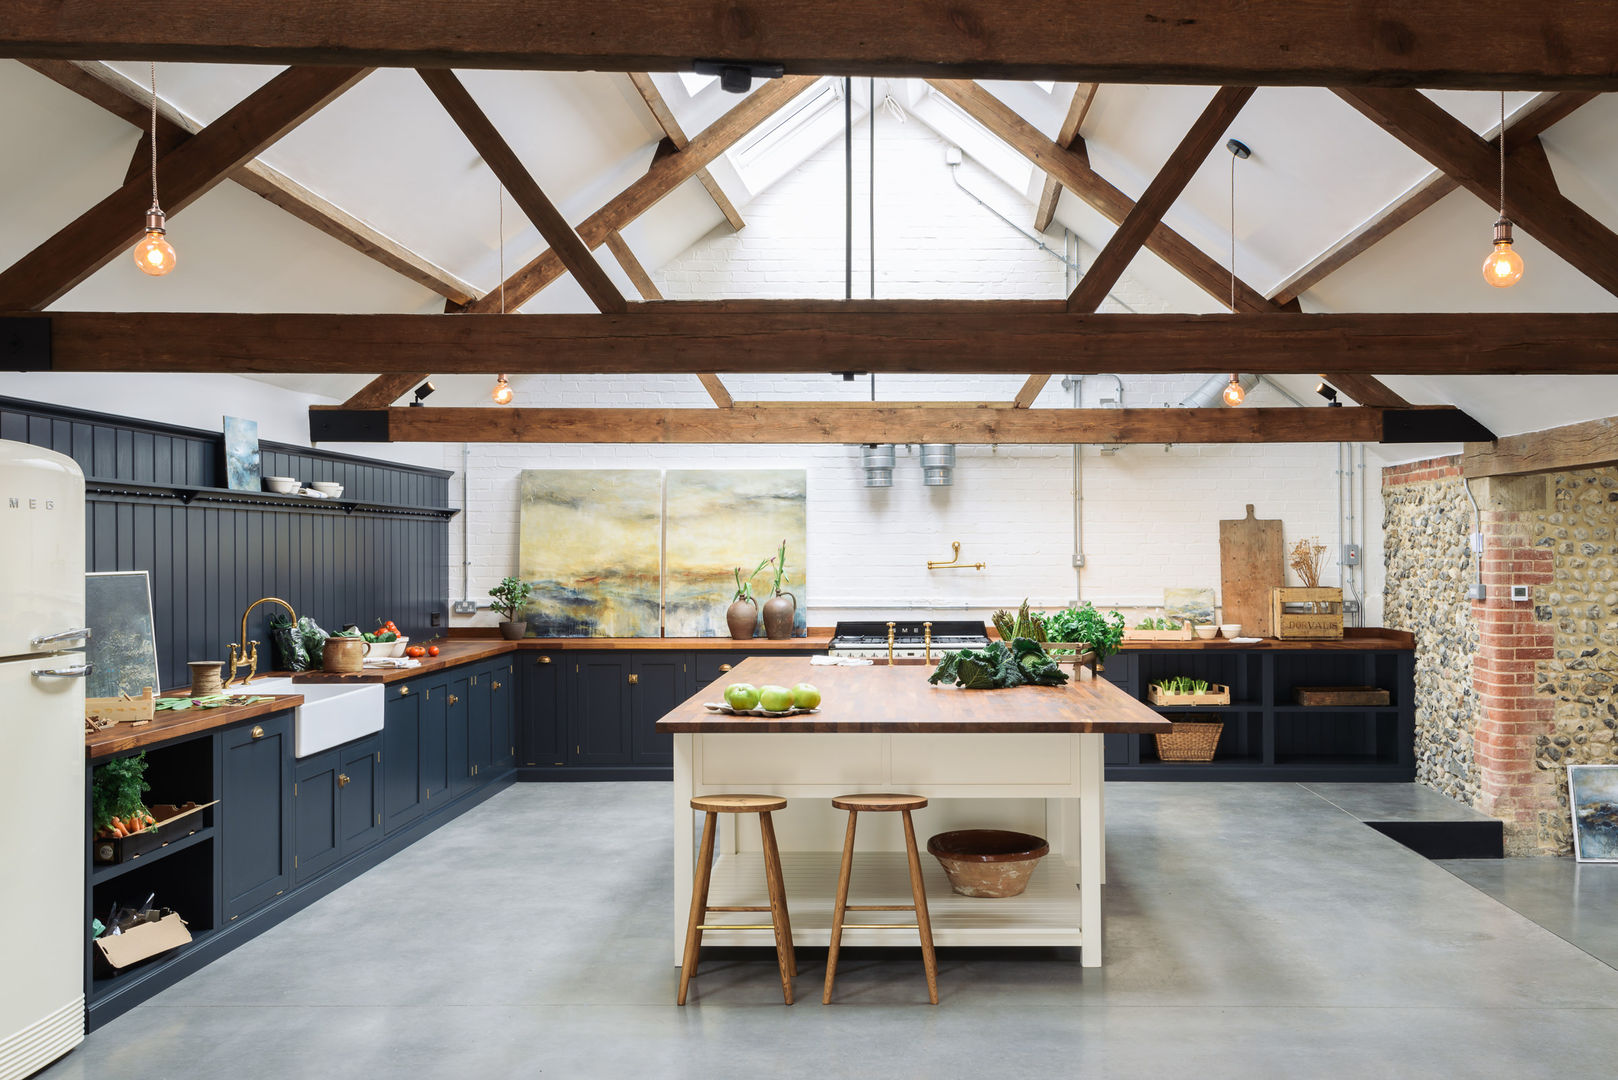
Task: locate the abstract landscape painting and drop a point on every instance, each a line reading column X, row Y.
column 122, row 650
column 590, row 545
column 1593, row 793
column 241, row 455
column 721, row 519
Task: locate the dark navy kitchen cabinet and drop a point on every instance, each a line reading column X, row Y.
column 317, row 843
column 359, row 795
column 403, row 783
column 709, row 668
column 598, row 709
column 435, row 695
column 658, row 681
column 479, row 721
column 457, row 733
column 503, row 711
column 255, row 817
column 542, row 710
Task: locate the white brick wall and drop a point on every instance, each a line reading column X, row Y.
column 1150, row 515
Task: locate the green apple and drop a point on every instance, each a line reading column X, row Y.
column 742, row 696
column 805, row 696
column 775, row 698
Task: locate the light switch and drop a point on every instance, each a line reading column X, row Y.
column 1520, row 594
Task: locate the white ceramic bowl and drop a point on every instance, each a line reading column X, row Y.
column 388, row 648
column 1231, row 629
column 329, row 488
column 283, row 485
column 1205, row 633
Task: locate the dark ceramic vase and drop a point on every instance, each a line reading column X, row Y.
column 742, row 618
column 779, row 611
column 513, row 631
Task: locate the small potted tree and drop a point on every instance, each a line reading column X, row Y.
column 508, row 598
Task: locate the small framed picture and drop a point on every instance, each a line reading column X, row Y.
column 1592, row 793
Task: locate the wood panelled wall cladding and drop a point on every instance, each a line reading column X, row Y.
column 156, row 503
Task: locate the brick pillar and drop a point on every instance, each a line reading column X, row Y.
column 1512, row 719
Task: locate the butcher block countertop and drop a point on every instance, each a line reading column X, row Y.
column 881, row 699
column 174, row 725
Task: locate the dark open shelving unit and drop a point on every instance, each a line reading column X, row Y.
column 1266, row 735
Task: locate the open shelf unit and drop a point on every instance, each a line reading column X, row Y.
column 1267, row 736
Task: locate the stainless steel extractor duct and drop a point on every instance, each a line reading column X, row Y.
column 938, row 464
column 878, row 462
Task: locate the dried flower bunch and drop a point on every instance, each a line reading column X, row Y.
column 1306, row 559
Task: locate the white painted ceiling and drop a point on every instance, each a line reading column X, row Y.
column 386, row 152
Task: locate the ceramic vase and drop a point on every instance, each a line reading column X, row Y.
column 779, row 611
column 514, row 631
column 742, row 618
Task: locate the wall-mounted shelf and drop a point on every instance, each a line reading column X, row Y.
column 258, row 499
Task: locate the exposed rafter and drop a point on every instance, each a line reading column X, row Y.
column 121, row 96
column 1532, row 198
column 676, row 135
column 1432, row 43
column 938, row 337
column 203, row 161
column 1070, row 139
column 1587, row 445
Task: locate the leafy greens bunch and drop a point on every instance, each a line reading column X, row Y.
column 1025, row 624
column 1103, row 633
column 1023, row 663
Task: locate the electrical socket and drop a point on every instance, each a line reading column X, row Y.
column 1351, row 554
column 1351, row 607
column 1476, row 591
column 465, row 607
column 1078, row 560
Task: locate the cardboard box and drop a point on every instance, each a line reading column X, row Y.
column 143, row 941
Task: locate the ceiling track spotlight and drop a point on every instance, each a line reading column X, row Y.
column 423, row 392
column 1329, row 392
column 736, row 77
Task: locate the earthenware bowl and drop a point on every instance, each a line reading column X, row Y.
column 988, row 862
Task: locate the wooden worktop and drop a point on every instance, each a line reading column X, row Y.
column 174, row 725
column 899, row 699
column 1358, row 638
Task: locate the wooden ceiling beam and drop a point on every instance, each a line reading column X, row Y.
column 1522, row 129
column 121, row 96
column 940, row 338
column 672, row 130
column 1588, row 445
column 1070, row 139
column 382, row 391
column 203, row 161
column 525, row 191
column 1532, row 199
column 888, row 423
column 1432, row 43
column 649, row 291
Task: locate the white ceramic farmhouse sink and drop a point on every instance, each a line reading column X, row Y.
column 331, row 713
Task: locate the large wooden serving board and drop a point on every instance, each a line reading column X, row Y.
column 1252, row 561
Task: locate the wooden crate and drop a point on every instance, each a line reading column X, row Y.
column 1217, row 694
column 1182, row 634
column 121, row 710
column 1323, row 622
column 1339, row 695
column 172, row 824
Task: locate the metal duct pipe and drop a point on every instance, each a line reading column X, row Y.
column 1211, row 392
column 878, row 462
column 938, row 464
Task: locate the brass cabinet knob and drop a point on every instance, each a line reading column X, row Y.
column 633, row 679
column 343, row 780
column 404, row 691
column 494, row 685
column 257, row 732
column 542, row 659
column 723, row 668
column 453, row 699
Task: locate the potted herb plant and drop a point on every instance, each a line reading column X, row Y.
column 508, row 598
column 742, row 615
column 782, row 607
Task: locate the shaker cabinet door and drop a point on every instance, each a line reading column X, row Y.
column 598, row 709
column 403, row 784
column 255, row 817
column 317, row 846
column 542, row 711
column 359, row 810
column 660, row 684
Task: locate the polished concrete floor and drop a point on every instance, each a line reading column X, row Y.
column 1254, row 931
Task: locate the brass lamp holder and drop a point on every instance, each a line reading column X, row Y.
column 954, row 561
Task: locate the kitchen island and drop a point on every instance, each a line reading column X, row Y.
column 1029, row 758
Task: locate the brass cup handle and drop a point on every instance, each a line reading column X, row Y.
column 634, row 679
column 257, row 732
column 404, row 691
column 542, row 660
column 494, row 686
column 343, row 780
column 723, row 668
column 453, row 699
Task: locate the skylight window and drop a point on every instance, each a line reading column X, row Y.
column 781, row 143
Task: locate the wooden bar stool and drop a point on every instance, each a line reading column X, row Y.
column 918, row 893
column 762, row 805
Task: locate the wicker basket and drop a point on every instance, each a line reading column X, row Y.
column 1192, row 741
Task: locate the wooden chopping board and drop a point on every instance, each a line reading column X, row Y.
column 1252, row 561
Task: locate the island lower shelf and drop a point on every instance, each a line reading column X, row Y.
column 1047, row 914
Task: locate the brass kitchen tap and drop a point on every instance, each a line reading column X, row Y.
column 247, row 656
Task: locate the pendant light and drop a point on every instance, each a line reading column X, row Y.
column 1503, row 267
column 154, row 254
column 1233, row 394
column 502, row 393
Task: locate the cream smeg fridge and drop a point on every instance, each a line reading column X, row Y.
column 42, row 798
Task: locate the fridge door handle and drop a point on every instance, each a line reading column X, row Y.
column 77, row 671
column 65, row 635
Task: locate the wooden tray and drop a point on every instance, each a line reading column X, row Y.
column 1217, row 694
column 760, row 711
column 1182, row 634
column 172, row 824
column 1339, row 695
column 121, row 710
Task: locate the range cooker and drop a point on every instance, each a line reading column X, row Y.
column 911, row 639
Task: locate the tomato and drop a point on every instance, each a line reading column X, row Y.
column 416, row 651
column 432, row 650
column 390, row 626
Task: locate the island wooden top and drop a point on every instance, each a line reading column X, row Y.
column 174, row 725
column 899, row 699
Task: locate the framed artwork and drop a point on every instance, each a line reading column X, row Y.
column 242, row 471
column 122, row 650
column 1592, row 795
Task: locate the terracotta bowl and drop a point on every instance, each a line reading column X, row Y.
column 988, row 862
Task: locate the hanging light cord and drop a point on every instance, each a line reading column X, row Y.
column 154, row 136
column 1233, row 234
column 1502, row 155
column 500, row 216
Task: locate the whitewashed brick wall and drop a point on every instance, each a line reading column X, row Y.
column 1150, row 514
